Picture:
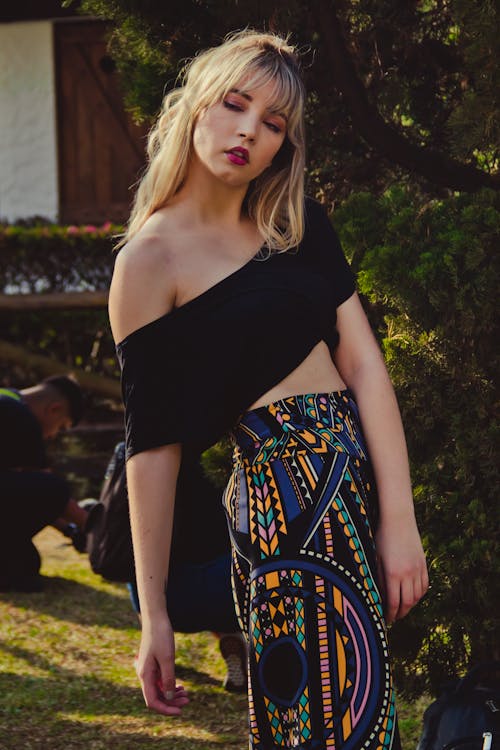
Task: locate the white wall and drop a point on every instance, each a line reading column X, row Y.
column 28, row 147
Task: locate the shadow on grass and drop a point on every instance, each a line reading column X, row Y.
column 76, row 602
column 88, row 695
column 61, row 735
column 30, row 706
column 73, row 683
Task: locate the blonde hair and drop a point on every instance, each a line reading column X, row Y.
column 275, row 198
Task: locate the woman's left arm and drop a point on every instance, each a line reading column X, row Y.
column 401, row 560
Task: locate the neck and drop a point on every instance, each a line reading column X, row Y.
column 208, row 200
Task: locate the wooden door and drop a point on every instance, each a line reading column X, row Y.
column 101, row 151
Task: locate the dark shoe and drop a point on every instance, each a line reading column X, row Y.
column 233, row 648
column 77, row 536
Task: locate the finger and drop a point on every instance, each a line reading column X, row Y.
column 161, row 706
column 180, row 696
column 170, row 707
column 151, row 690
column 418, row 590
column 381, row 579
column 166, row 683
column 393, row 598
column 165, row 707
column 181, row 692
column 149, row 684
column 420, row 584
column 153, row 693
column 425, row 580
column 408, row 597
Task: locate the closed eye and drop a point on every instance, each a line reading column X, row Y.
column 272, row 126
column 235, row 107
column 232, row 106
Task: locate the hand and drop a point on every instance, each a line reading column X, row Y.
column 401, row 566
column 155, row 666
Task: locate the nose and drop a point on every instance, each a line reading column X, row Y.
column 248, row 127
column 246, row 135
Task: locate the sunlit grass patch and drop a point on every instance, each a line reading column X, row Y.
column 67, row 679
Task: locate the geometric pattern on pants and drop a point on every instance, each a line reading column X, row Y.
column 301, row 503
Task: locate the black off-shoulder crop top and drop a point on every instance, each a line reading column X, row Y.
column 188, row 375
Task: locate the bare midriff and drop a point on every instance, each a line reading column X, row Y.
column 315, row 374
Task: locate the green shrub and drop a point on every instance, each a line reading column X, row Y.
column 430, row 274
column 39, row 257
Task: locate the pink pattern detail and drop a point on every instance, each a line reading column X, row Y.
column 349, row 610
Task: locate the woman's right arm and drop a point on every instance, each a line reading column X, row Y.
column 142, row 290
column 151, row 481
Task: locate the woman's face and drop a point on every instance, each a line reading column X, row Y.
column 237, row 138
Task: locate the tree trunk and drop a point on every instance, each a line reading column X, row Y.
column 435, row 166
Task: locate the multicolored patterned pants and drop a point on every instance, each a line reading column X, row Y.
column 299, row 503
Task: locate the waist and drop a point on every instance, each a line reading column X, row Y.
column 315, row 374
column 317, row 414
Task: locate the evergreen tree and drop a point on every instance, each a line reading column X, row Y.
column 404, row 90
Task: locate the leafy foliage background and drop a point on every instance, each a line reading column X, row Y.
column 430, row 271
column 399, row 76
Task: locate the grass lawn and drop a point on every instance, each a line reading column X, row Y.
column 67, row 681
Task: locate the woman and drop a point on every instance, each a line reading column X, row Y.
column 234, row 309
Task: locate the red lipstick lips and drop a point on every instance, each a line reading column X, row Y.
column 238, row 155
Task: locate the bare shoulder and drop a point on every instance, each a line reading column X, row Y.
column 143, row 287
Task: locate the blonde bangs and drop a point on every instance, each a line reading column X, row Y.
column 251, row 68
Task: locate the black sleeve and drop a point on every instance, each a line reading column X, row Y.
column 152, row 360
column 328, row 252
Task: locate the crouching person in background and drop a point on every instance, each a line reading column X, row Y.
column 31, row 496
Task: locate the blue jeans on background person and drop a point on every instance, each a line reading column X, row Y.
column 199, row 596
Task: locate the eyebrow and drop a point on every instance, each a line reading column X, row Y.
column 249, row 98
column 242, row 93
